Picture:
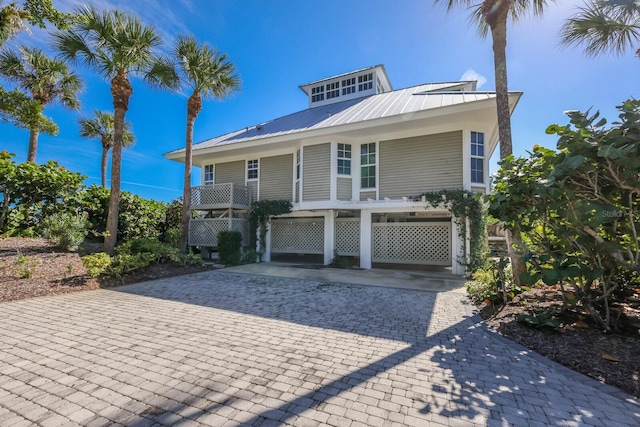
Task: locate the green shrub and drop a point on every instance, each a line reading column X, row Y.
column 25, row 265
column 230, row 247
column 172, row 236
column 161, row 252
column 493, row 282
column 187, row 259
column 126, row 263
column 96, row 264
column 65, row 229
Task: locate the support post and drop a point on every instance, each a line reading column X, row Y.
column 365, row 239
column 329, row 235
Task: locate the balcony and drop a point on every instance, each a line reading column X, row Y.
column 220, row 196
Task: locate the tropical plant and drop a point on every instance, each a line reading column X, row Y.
column 46, row 79
column 116, row 45
column 66, row 230
column 100, row 126
column 605, row 26
column 11, row 21
column 493, row 16
column 578, row 208
column 205, row 73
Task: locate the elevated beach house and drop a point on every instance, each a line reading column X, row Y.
column 353, row 164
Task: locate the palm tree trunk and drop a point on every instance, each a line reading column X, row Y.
column 33, row 146
column 121, row 91
column 103, row 166
column 498, row 25
column 194, row 105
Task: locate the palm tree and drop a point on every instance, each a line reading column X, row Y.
column 493, row 16
column 46, row 79
column 206, row 73
column 100, row 126
column 605, row 26
column 116, row 45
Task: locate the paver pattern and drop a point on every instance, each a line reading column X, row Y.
column 226, row 349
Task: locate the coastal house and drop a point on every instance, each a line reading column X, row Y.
column 353, row 164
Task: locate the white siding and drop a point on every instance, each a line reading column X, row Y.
column 276, row 177
column 316, row 172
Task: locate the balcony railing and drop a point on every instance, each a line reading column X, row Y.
column 220, row 196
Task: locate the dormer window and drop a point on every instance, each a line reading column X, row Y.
column 333, row 90
column 365, row 82
column 317, row 93
column 349, row 86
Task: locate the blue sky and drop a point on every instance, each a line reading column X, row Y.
column 278, row 45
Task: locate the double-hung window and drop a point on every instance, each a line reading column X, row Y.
column 317, row 93
column 365, row 82
column 344, row 159
column 333, row 90
column 208, row 175
column 252, row 170
column 349, row 86
column 297, row 165
column 368, row 165
column 477, row 157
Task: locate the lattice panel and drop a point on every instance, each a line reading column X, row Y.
column 241, row 225
column 204, row 232
column 241, row 195
column 220, row 194
column 348, row 236
column 412, row 243
column 297, row 236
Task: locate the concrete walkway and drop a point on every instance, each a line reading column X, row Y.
column 226, row 348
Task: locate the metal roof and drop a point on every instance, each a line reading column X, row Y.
column 402, row 101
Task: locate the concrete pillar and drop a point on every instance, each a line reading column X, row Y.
column 329, row 235
column 365, row 239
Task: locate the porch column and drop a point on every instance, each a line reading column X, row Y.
column 266, row 251
column 329, row 235
column 457, row 249
column 365, row 239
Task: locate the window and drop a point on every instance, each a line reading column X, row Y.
column 333, row 90
column 297, row 165
column 477, row 157
column 365, row 82
column 344, row 159
column 368, row 165
column 252, row 169
column 349, row 86
column 317, row 93
column 208, row 175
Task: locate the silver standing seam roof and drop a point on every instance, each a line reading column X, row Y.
column 402, row 101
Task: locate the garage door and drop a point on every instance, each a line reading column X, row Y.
column 297, row 236
column 427, row 243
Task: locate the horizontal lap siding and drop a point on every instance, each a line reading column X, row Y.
column 230, row 172
column 364, row 195
column 253, row 189
column 344, row 189
column 276, row 177
column 412, row 166
column 316, row 172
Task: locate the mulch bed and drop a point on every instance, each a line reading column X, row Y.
column 32, row 267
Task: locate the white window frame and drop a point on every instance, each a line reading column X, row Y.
column 251, row 168
column 477, row 155
column 332, row 90
column 367, row 165
column 349, row 86
column 317, row 93
column 208, row 170
column 298, row 171
column 345, row 155
column 365, row 82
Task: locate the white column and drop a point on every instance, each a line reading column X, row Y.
column 266, row 251
column 329, row 235
column 457, row 249
column 365, row 239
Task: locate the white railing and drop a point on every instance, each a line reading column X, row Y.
column 220, row 196
column 204, row 231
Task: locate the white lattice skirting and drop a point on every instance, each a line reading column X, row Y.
column 297, row 236
column 427, row 243
column 348, row 236
column 204, row 231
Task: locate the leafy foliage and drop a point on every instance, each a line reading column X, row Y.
column 493, row 282
column 32, row 192
column 465, row 206
column 230, row 247
column 96, row 264
column 66, row 230
column 579, row 208
column 260, row 214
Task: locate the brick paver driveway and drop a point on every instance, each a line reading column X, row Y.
column 223, row 348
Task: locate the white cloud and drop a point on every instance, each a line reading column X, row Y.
column 471, row 74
